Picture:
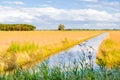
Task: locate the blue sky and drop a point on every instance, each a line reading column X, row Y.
column 48, row 14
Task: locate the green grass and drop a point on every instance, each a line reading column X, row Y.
column 26, row 47
column 44, row 72
column 17, row 55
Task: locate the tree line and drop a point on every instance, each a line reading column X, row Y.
column 16, row 27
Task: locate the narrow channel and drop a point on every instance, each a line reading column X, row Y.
column 84, row 49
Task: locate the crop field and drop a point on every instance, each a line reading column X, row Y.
column 109, row 50
column 21, row 50
column 25, row 48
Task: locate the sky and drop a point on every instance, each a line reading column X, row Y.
column 74, row 14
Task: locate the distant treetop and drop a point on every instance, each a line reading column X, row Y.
column 61, row 27
column 17, row 27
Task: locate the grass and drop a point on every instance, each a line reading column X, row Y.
column 26, row 47
column 25, row 54
column 18, row 54
column 110, row 49
column 44, row 72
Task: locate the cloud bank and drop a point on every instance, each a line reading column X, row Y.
column 49, row 16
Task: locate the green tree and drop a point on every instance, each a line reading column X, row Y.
column 16, row 27
column 61, row 27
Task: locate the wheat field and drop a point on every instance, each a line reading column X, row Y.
column 42, row 37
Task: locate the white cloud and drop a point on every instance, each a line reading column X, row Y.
column 101, row 25
column 45, row 14
column 15, row 2
column 113, row 6
column 9, row 14
column 112, row 25
column 89, row 0
column 115, row 3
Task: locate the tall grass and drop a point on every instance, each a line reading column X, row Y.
column 45, row 72
column 27, row 54
column 18, row 54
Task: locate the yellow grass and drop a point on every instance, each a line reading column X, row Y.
column 15, row 46
column 109, row 50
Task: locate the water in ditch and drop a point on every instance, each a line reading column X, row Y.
column 85, row 52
